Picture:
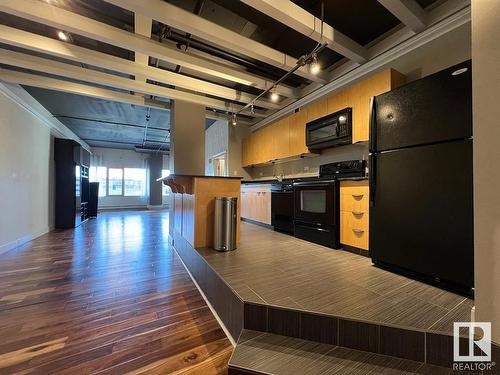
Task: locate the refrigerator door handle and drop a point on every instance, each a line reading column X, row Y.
column 372, row 178
column 373, row 125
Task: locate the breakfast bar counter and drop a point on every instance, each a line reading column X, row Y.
column 192, row 205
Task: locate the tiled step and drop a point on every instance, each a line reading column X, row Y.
column 265, row 353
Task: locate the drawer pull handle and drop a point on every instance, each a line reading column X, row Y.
column 358, row 231
column 358, row 196
column 357, row 213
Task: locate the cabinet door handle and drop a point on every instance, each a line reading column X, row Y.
column 357, row 213
column 358, row 196
column 358, row 231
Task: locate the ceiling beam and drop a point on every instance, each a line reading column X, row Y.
column 89, row 75
column 59, row 18
column 77, row 88
column 90, row 91
column 142, row 26
column 52, row 47
column 191, row 23
column 305, row 23
column 409, row 12
column 23, row 99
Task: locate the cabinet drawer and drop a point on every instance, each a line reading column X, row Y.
column 354, row 229
column 354, row 202
column 354, row 196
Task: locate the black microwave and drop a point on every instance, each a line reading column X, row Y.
column 332, row 130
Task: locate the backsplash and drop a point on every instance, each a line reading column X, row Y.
column 310, row 166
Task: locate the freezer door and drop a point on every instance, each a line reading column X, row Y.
column 421, row 216
column 432, row 109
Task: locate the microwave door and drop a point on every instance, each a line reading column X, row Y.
column 322, row 133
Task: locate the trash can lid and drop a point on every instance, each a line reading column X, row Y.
column 226, row 198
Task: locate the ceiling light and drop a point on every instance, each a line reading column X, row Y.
column 314, row 66
column 233, row 121
column 274, row 95
column 62, row 35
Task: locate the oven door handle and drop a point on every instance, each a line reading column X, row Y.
column 314, row 183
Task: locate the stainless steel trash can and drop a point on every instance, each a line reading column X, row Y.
column 225, row 219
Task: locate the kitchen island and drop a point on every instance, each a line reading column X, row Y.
column 191, row 227
column 192, row 205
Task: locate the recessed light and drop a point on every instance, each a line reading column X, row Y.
column 62, row 35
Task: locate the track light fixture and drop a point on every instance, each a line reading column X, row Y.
column 233, row 120
column 314, row 66
column 310, row 58
column 274, row 95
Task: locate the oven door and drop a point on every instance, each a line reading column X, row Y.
column 315, row 202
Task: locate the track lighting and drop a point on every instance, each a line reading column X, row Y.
column 274, row 95
column 314, row 66
column 62, row 35
column 233, row 120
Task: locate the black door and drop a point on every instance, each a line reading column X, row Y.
column 315, row 202
column 432, row 109
column 421, row 213
column 282, row 211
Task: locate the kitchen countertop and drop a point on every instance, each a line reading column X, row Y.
column 173, row 176
column 271, row 181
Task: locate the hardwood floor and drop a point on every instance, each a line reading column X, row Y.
column 109, row 297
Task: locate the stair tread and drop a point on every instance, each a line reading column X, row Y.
column 268, row 353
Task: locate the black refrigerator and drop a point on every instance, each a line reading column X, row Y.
column 421, row 203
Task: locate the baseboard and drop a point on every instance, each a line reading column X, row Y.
column 22, row 240
column 156, row 207
column 269, row 226
column 111, row 208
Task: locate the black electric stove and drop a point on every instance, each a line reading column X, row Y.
column 316, row 202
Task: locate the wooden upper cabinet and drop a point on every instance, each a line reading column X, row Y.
column 361, row 94
column 245, row 151
column 280, row 133
column 286, row 137
column 339, row 101
column 297, row 133
column 317, row 109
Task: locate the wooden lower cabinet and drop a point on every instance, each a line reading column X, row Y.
column 354, row 213
column 256, row 203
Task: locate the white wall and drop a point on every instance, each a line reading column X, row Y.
column 486, row 114
column 26, row 176
column 116, row 158
column 187, row 138
column 216, row 142
column 119, row 158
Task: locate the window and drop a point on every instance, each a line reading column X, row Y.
column 115, row 179
column 77, row 181
column 165, row 189
column 134, row 182
column 98, row 174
